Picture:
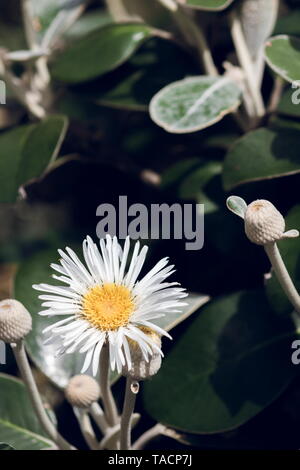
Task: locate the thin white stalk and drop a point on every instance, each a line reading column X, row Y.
column 155, row 431
column 28, row 24
column 98, row 416
column 26, row 373
column 109, row 404
column 86, row 428
column 246, row 63
column 193, row 35
column 132, row 389
column 283, row 275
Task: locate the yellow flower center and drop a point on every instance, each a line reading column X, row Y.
column 108, row 307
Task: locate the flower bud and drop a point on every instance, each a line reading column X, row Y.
column 82, row 391
column 263, row 222
column 140, row 368
column 15, row 321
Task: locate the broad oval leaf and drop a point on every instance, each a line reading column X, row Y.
column 99, row 52
column 233, row 361
column 27, row 152
column 211, row 5
column 289, row 103
column 282, row 54
column 61, row 369
column 19, row 426
column 290, row 252
column 194, row 103
column 262, row 154
column 154, row 66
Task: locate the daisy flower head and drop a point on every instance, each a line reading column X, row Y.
column 100, row 301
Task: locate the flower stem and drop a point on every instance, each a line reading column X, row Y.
column 153, row 432
column 283, row 275
column 28, row 24
column 26, row 373
column 86, row 429
column 132, row 389
column 109, row 405
column 193, row 34
column 246, row 63
column 98, row 416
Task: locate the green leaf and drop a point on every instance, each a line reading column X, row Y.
column 237, row 205
column 262, row 154
column 99, row 52
column 154, row 66
column 87, row 23
column 282, row 54
column 289, row 24
column 27, row 152
column 193, row 178
column 289, row 103
column 193, row 301
column 18, row 423
column 213, row 5
column 194, row 103
column 290, row 251
column 4, row 446
column 233, row 361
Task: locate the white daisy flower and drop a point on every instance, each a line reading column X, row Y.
column 103, row 303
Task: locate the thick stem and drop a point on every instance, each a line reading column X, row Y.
column 28, row 24
column 86, row 429
column 98, row 416
column 246, row 63
column 193, row 34
column 283, row 275
column 275, row 95
column 109, row 405
column 153, row 432
column 25, row 370
column 132, row 389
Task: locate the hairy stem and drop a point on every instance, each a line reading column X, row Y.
column 26, row 373
column 98, row 416
column 132, row 389
column 86, row 429
column 109, row 405
column 246, row 63
column 193, row 35
column 28, row 23
column 153, row 432
column 283, row 275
